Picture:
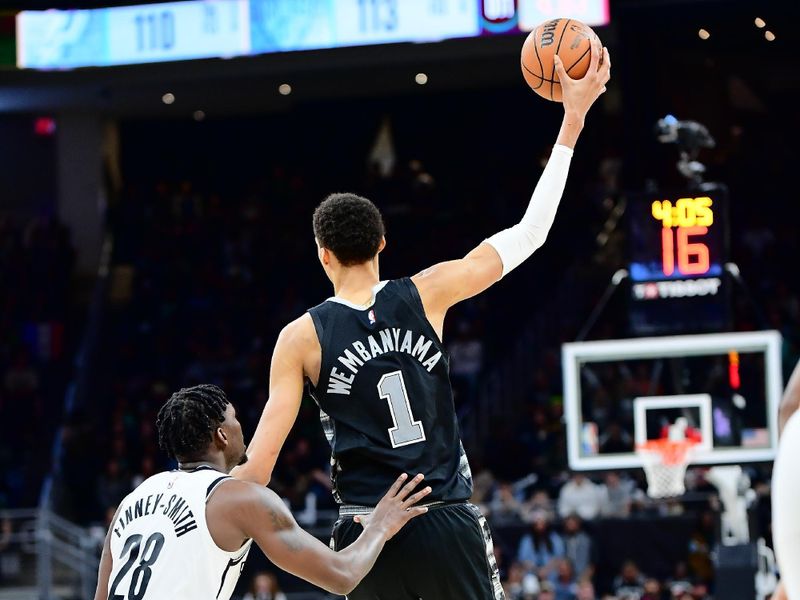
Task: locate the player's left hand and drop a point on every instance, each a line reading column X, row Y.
column 397, row 508
column 579, row 94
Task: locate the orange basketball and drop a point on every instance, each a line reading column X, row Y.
column 568, row 38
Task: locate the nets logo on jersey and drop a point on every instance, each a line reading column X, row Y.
column 371, row 317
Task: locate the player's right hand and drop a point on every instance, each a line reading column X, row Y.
column 579, row 94
column 397, row 508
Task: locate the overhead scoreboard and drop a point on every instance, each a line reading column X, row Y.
column 196, row 29
column 678, row 246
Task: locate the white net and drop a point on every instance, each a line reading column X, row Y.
column 665, row 467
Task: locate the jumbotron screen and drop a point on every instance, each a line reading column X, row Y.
column 227, row 28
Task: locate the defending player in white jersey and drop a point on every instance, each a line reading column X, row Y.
column 185, row 534
column 786, row 492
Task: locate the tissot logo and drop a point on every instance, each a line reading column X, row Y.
column 685, row 288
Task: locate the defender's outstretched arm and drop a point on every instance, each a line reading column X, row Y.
column 241, row 510
column 448, row 283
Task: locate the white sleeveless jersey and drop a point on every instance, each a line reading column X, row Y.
column 160, row 544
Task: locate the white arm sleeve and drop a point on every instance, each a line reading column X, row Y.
column 517, row 243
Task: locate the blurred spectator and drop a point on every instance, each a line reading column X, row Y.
column 466, row 362
column 578, row 547
column 700, row 591
column 541, row 548
column 36, row 268
column 700, row 545
column 629, row 584
column 10, row 559
column 112, row 486
column 586, row 591
column 548, row 591
column 580, row 495
column 540, row 502
column 5, row 533
column 539, row 437
column 521, row 585
column 680, row 583
column 146, row 470
column 265, row 587
column 619, row 495
column 482, row 484
column 652, row 590
column 505, row 508
column 564, row 584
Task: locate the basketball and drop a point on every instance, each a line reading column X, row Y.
column 568, row 38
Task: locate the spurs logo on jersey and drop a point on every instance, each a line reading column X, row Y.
column 385, row 399
column 161, row 546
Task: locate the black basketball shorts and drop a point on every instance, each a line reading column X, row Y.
column 445, row 554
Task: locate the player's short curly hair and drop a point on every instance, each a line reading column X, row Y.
column 349, row 226
column 187, row 421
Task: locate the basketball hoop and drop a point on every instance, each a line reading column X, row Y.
column 664, row 462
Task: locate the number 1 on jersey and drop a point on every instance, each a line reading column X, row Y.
column 406, row 430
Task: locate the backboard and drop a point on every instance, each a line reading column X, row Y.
column 724, row 388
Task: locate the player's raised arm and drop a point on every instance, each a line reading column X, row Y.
column 286, row 379
column 448, row 283
column 259, row 514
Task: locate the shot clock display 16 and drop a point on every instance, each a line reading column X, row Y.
column 678, row 245
column 687, row 220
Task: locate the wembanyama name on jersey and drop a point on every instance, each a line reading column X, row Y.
column 391, row 339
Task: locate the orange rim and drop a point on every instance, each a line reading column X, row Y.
column 672, row 452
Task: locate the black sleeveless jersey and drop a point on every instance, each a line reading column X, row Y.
column 385, row 399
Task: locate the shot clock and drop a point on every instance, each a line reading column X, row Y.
column 685, row 227
column 678, row 248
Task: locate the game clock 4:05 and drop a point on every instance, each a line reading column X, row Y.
column 678, row 236
column 691, row 218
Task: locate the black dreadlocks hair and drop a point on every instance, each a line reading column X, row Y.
column 188, row 419
column 349, row 226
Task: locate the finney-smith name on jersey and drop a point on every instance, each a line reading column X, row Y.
column 391, row 339
column 175, row 509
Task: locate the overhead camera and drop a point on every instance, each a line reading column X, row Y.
column 690, row 137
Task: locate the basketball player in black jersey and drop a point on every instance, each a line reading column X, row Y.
column 379, row 371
